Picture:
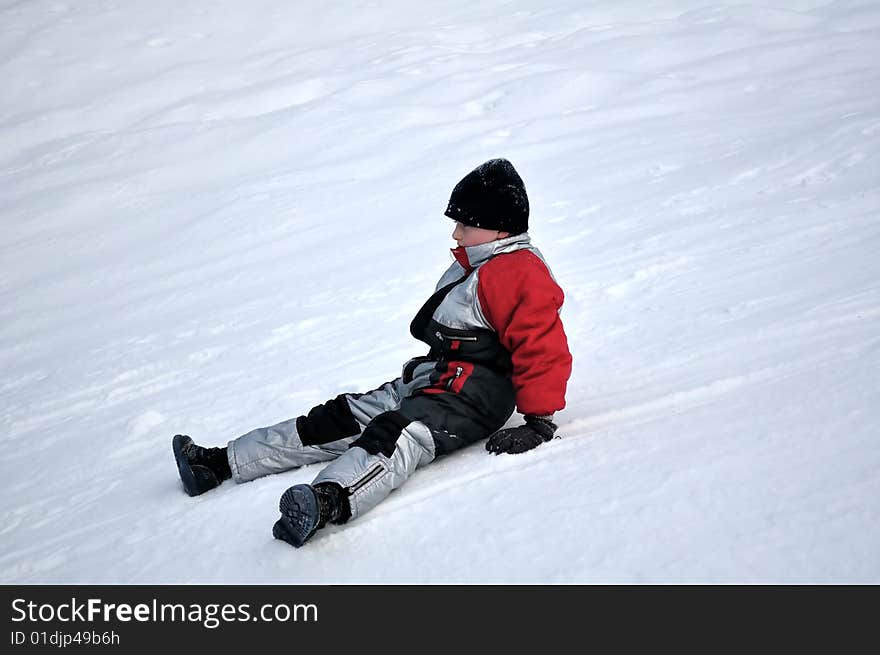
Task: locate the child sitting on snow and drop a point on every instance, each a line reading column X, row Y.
column 496, row 341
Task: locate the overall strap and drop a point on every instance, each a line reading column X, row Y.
column 423, row 316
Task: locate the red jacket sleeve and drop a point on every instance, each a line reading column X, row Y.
column 521, row 301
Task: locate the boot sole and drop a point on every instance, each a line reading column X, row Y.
column 190, row 484
column 299, row 515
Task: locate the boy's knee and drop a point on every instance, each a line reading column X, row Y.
column 381, row 435
column 328, row 422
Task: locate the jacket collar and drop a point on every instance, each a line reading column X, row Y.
column 471, row 257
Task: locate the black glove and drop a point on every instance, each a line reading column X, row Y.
column 536, row 431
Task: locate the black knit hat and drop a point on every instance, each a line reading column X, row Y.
column 493, row 197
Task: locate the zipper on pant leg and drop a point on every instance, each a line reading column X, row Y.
column 371, row 475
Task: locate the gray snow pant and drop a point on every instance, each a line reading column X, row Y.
column 378, row 439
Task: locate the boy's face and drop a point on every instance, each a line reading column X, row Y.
column 465, row 235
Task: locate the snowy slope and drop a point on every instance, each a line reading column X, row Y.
column 216, row 215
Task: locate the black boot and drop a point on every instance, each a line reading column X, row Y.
column 201, row 469
column 305, row 509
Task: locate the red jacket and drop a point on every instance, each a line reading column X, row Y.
column 520, row 300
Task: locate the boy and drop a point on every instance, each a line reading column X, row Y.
column 496, row 341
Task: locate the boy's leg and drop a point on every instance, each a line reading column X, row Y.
column 321, row 435
column 390, row 449
column 398, row 442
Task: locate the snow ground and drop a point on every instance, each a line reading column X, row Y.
column 217, row 215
